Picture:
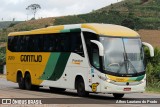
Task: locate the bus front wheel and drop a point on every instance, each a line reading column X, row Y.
column 20, row 81
column 118, row 96
column 81, row 88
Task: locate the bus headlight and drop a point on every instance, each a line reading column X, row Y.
column 102, row 77
column 108, row 80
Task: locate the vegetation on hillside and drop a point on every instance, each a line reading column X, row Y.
column 153, row 69
column 32, row 24
column 6, row 24
column 135, row 14
column 2, row 58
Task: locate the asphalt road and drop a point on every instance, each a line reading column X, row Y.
column 10, row 90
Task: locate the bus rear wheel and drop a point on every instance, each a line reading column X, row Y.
column 20, row 81
column 118, row 96
column 28, row 84
column 81, row 88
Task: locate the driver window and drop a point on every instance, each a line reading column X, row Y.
column 92, row 49
column 95, row 55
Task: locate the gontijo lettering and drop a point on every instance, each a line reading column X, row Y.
column 31, row 58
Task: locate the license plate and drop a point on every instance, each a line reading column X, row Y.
column 127, row 89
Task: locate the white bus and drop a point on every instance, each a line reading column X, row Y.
column 91, row 58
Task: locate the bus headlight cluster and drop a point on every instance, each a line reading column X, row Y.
column 108, row 80
column 103, row 78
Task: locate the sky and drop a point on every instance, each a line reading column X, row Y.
column 16, row 9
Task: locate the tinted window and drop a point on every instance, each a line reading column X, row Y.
column 92, row 49
column 76, row 44
column 59, row 42
column 49, row 43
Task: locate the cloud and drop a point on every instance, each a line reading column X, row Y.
column 10, row 9
column 14, row 1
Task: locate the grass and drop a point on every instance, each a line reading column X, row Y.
column 153, row 90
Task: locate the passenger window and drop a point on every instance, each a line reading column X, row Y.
column 57, row 42
column 49, row 42
column 76, row 43
column 14, row 42
column 10, row 43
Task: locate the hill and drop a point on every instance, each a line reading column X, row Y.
column 134, row 14
column 33, row 24
column 130, row 13
column 6, row 24
column 150, row 36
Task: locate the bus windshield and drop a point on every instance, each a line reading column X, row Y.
column 123, row 56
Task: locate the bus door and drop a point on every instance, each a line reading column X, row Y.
column 95, row 67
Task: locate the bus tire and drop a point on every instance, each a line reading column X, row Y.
column 81, row 88
column 57, row 89
column 20, row 81
column 118, row 96
column 28, row 84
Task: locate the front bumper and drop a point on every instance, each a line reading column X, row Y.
column 107, row 87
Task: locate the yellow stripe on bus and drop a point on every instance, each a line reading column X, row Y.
column 111, row 30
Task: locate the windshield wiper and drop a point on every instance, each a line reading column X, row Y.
column 127, row 62
column 128, row 65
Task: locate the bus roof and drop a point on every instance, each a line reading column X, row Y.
column 101, row 29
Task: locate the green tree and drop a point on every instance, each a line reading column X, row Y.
column 132, row 21
column 34, row 8
column 153, row 68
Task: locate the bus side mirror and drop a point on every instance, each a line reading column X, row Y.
column 151, row 49
column 100, row 46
